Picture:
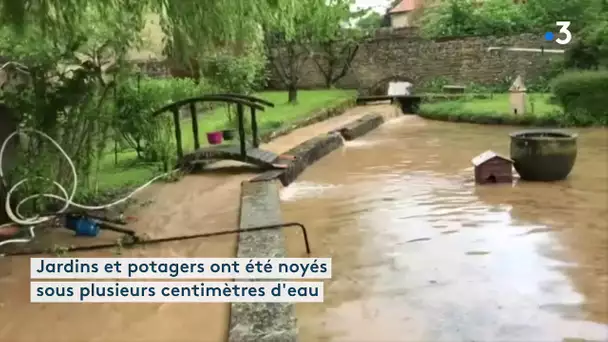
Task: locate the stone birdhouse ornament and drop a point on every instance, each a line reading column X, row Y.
column 517, row 96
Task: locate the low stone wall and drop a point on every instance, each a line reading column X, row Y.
column 314, row 149
column 308, row 153
column 253, row 322
column 362, row 126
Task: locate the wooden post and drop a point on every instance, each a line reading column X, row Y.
column 240, row 118
column 178, row 133
column 254, row 128
column 197, row 141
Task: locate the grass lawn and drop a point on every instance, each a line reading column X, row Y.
column 128, row 171
column 537, row 104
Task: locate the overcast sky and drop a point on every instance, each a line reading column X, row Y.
column 378, row 5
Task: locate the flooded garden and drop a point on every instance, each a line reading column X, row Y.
column 97, row 99
column 421, row 253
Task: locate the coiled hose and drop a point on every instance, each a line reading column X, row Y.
column 67, row 198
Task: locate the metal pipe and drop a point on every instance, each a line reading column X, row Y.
column 138, row 241
column 526, row 49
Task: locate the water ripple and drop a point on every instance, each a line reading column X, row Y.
column 420, row 250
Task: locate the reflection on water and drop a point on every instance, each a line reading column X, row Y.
column 422, row 254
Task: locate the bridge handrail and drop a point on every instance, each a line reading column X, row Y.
column 207, row 98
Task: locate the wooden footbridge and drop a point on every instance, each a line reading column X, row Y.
column 245, row 151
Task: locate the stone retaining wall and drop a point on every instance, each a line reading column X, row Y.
column 404, row 55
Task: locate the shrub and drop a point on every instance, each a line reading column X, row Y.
column 137, row 99
column 582, row 95
column 234, row 74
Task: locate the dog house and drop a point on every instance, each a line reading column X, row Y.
column 491, row 167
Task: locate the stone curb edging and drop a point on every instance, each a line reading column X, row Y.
column 361, row 126
column 254, row 322
column 305, row 154
column 494, row 119
column 308, row 153
column 260, row 205
column 316, row 148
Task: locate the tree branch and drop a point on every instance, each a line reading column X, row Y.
column 347, row 63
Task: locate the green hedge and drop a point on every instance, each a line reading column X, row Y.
column 434, row 98
column 583, row 95
column 547, row 120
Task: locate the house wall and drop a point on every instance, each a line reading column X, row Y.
column 399, row 20
column 152, row 37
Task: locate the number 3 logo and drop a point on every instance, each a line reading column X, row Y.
column 563, row 28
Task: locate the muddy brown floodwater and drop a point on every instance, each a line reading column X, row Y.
column 201, row 203
column 422, row 254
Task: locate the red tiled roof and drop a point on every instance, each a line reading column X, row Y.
column 404, row 6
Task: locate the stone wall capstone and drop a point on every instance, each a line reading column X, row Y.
column 403, row 54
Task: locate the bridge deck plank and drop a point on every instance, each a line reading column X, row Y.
column 255, row 156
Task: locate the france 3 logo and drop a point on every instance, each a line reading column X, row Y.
column 564, row 33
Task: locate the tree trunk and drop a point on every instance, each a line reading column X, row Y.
column 292, row 94
column 8, row 124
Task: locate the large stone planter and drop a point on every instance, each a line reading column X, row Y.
column 543, row 155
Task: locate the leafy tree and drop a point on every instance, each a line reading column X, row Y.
column 334, row 46
column 542, row 14
column 74, row 52
column 287, row 45
column 590, row 50
column 190, row 27
column 455, row 18
column 589, row 27
column 64, row 91
column 370, row 20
